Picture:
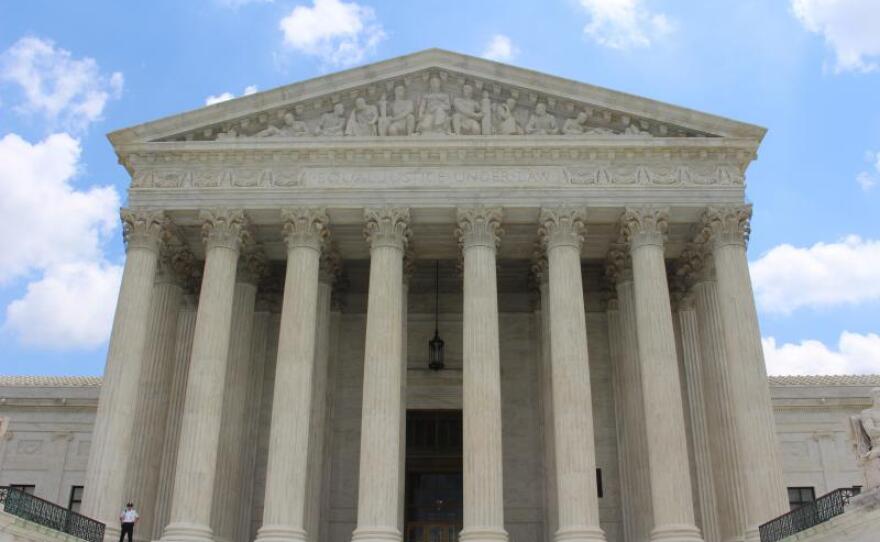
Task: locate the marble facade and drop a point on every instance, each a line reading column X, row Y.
column 596, row 305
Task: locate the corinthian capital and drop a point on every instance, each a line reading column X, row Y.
column 387, row 227
column 726, row 225
column 562, row 226
column 330, row 266
column 305, row 227
column 479, row 226
column 176, row 265
column 644, row 226
column 253, row 265
column 618, row 264
column 224, row 228
column 143, row 229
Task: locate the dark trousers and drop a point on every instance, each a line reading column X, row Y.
column 127, row 529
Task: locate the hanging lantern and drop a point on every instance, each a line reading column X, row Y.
column 435, row 345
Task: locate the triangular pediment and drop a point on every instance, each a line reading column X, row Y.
column 434, row 93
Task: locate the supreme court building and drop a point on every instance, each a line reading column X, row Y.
column 295, row 257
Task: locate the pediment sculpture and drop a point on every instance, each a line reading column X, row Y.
column 436, row 104
column 865, row 429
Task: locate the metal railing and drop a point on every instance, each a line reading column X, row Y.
column 48, row 514
column 809, row 515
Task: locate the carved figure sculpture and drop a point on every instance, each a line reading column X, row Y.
column 507, row 123
column 402, row 120
column 575, row 126
column 633, row 129
column 434, row 110
column 290, row 128
column 467, row 118
column 333, row 123
column 232, row 133
column 541, row 122
column 362, row 120
column 865, row 429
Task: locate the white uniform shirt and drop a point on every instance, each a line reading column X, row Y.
column 129, row 516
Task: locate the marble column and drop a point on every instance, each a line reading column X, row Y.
column 726, row 230
column 223, row 231
column 186, row 323
column 387, row 231
column 329, row 267
column 645, row 231
column 175, row 265
column 479, row 234
column 686, row 315
column 113, row 431
column 728, row 475
column 228, row 489
column 561, row 231
column 542, row 279
column 632, row 432
column 259, row 354
column 305, row 230
column 408, row 270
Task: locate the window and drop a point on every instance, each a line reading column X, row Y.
column 599, row 487
column 26, row 488
column 76, row 497
column 799, row 496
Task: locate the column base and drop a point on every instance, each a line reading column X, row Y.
column 187, row 532
column 111, row 534
column 280, row 533
column 376, row 534
column 579, row 534
column 753, row 535
column 676, row 533
column 481, row 534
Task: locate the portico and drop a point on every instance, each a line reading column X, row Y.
column 602, row 342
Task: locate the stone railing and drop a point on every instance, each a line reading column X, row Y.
column 42, row 512
column 809, row 515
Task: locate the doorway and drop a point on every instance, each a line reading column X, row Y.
column 433, row 493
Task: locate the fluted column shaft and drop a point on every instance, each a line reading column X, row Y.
column 672, row 502
column 153, row 394
column 186, row 322
column 387, row 232
column 318, row 422
column 202, row 412
column 693, row 373
column 259, row 348
column 551, row 516
column 230, row 485
column 577, row 499
column 483, row 482
column 727, row 229
column 627, row 511
column 112, row 434
column 287, row 466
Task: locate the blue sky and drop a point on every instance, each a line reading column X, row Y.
column 806, row 69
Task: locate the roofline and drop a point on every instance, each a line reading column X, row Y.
column 439, row 58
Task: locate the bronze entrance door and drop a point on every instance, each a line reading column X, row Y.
column 433, row 476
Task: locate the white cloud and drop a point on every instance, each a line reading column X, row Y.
column 624, row 24
column 855, row 354
column 55, row 232
column 226, row 96
column 824, row 275
column 849, row 28
column 868, row 180
column 339, row 33
column 500, row 47
column 69, row 93
column 52, row 221
column 71, row 306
